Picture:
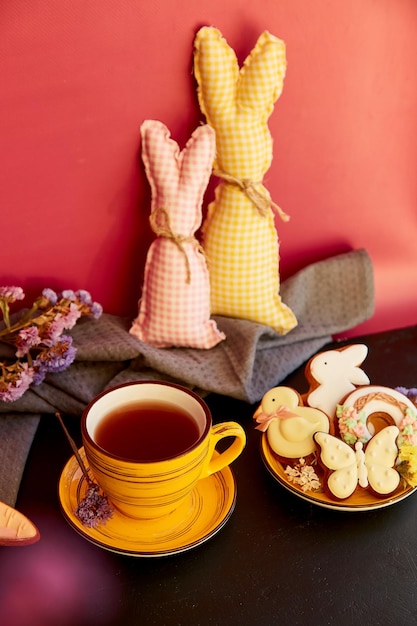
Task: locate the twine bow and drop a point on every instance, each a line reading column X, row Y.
column 261, row 200
column 165, row 230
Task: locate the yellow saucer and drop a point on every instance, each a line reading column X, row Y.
column 360, row 500
column 205, row 512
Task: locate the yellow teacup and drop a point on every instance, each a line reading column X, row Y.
column 147, row 444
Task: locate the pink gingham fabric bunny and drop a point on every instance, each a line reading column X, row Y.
column 175, row 306
column 239, row 232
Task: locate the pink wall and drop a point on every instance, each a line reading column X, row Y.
column 79, row 77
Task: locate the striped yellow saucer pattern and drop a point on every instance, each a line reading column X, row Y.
column 208, row 509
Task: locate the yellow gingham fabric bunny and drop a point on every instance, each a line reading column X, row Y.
column 240, row 238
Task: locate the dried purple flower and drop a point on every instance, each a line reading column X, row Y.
column 26, row 339
column 38, row 338
column 86, row 304
column 50, row 295
column 94, row 508
column 15, row 380
column 51, row 331
column 57, row 357
column 39, row 372
column 71, row 317
column 11, row 294
column 69, row 294
column 7, row 296
column 84, row 296
column 96, row 310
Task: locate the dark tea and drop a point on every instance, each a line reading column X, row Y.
column 147, row 431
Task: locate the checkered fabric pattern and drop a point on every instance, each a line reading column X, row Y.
column 175, row 306
column 241, row 243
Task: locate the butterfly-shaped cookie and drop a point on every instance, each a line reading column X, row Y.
column 369, row 467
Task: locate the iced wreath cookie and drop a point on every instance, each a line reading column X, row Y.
column 288, row 424
column 367, row 409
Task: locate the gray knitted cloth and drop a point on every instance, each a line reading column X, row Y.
column 327, row 297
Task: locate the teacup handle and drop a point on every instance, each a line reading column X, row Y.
column 215, row 463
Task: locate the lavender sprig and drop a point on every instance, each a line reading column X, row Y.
column 94, row 508
column 38, row 337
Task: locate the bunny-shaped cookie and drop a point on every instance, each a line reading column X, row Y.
column 240, row 238
column 333, row 374
column 175, row 306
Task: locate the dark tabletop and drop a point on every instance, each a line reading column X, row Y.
column 278, row 560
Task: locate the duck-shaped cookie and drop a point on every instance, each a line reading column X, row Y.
column 289, row 425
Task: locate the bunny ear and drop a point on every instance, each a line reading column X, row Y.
column 160, row 155
column 358, row 377
column 353, row 356
column 197, row 160
column 216, row 70
column 262, row 75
